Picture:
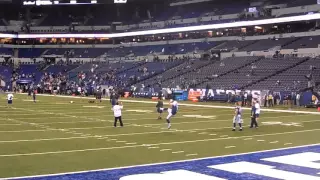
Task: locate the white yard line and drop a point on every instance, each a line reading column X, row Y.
column 191, row 154
column 11, row 124
column 177, row 152
column 165, row 150
column 154, row 147
column 131, row 143
column 157, row 144
column 228, row 147
column 248, row 139
column 190, row 105
column 49, row 139
column 273, row 142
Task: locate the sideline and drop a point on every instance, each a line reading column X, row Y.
column 162, row 163
column 183, row 104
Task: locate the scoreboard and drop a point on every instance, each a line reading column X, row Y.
column 68, row 2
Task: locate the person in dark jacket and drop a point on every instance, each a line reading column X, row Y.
column 159, row 107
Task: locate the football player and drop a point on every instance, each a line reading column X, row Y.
column 159, row 107
column 237, row 119
column 172, row 110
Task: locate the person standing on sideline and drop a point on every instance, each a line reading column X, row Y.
column 34, row 96
column 254, row 115
column 298, row 99
column 159, row 107
column 117, row 113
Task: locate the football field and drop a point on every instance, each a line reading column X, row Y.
column 55, row 136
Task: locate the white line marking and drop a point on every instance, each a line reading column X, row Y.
column 260, row 140
column 287, row 143
column 227, row 147
column 154, row 147
column 11, row 124
column 131, row 143
column 35, row 130
column 203, row 133
column 177, row 152
column 191, row 154
column 52, row 139
column 212, row 134
column 165, row 149
column 248, row 139
column 273, row 142
column 190, row 105
column 121, row 141
column 143, row 145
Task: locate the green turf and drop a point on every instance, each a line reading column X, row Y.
column 54, row 136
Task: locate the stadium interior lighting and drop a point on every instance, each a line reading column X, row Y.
column 175, row 30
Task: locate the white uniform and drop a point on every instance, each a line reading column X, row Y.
column 117, row 110
column 257, row 106
column 238, row 116
column 173, row 109
column 10, row 98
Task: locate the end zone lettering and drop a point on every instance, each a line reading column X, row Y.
column 213, row 92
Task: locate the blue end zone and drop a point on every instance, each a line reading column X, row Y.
column 261, row 169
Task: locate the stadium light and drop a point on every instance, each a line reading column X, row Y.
column 8, row 36
column 180, row 29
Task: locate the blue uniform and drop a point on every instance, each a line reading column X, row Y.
column 174, row 109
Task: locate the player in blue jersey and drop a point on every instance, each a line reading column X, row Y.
column 255, row 112
column 237, row 119
column 172, row 110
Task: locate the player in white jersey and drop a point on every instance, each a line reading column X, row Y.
column 172, row 110
column 258, row 110
column 237, row 119
column 117, row 113
column 10, row 98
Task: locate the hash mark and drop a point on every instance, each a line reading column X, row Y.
column 155, row 147
column 177, row 152
column 131, row 143
column 191, row 154
column 165, row 150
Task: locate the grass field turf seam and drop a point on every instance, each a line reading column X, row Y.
column 130, row 137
